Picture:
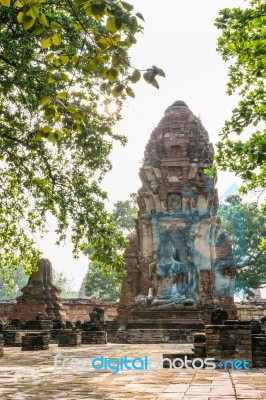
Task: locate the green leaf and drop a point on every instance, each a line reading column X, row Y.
column 92, row 65
column 46, row 43
column 232, row 46
column 158, row 71
column 56, row 76
column 38, row 31
column 49, row 112
column 127, row 6
column 111, row 25
column 18, row 4
column 115, row 60
column 56, row 25
column 135, row 77
column 27, row 22
column 74, row 58
column 154, row 83
column 139, row 15
column 52, row 138
column 64, row 59
column 43, row 20
column 5, row 3
column 38, row 136
column 56, row 39
column 72, row 109
column 97, row 9
column 130, row 92
column 45, row 100
column 20, row 16
column 149, row 75
column 62, row 95
column 118, row 90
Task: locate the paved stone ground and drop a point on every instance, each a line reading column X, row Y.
column 31, row 375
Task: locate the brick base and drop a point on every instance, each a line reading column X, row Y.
column 69, row 339
column 259, row 351
column 35, row 341
column 94, row 337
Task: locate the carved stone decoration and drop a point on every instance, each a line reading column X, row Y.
column 201, row 273
column 40, row 296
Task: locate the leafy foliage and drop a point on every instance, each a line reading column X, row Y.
column 18, row 281
column 106, row 285
column 243, row 43
column 125, row 213
column 58, row 62
column 61, row 281
column 245, row 224
column 101, row 286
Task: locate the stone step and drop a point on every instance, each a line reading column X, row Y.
column 165, row 324
column 158, row 336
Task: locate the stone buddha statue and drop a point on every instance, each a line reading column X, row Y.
column 168, row 281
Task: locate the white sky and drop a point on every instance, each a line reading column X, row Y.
column 179, row 37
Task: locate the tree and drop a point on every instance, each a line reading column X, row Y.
column 245, row 225
column 12, row 290
column 124, row 214
column 59, row 60
column 61, row 281
column 100, row 286
column 242, row 42
column 107, row 285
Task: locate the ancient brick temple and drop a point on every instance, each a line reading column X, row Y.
column 177, row 221
column 39, row 295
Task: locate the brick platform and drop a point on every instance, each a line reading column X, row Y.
column 35, row 341
column 94, row 337
column 69, row 338
column 259, row 351
column 13, row 338
column 229, row 342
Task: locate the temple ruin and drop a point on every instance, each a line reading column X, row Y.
column 177, row 222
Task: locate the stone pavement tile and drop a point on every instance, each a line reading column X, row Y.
column 198, row 390
column 244, row 386
column 248, row 394
column 196, row 397
column 136, row 387
column 221, row 397
column 176, row 388
column 171, row 396
column 226, row 391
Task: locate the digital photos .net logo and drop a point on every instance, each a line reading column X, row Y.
column 146, row 363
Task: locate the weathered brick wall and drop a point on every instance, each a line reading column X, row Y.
column 229, row 342
column 251, row 311
column 130, row 284
column 259, row 351
column 76, row 309
column 6, row 307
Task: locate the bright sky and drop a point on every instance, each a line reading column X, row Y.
column 179, row 37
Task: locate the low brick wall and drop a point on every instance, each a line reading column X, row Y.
column 229, row 342
column 248, row 311
column 259, row 351
column 76, row 309
column 6, row 308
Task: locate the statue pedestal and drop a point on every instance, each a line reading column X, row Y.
column 161, row 326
